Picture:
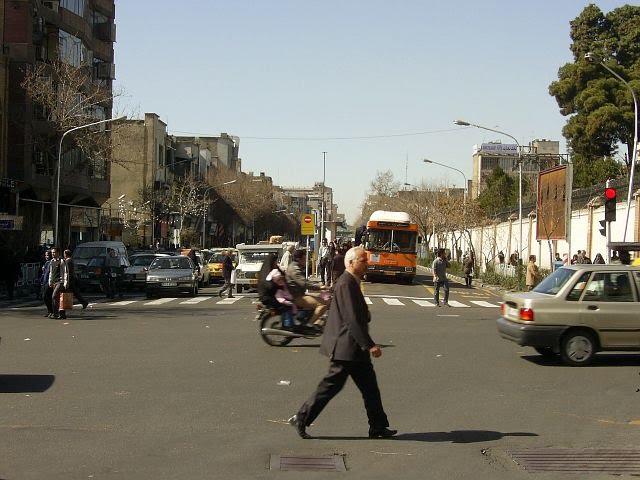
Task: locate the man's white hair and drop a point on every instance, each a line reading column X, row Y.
column 351, row 255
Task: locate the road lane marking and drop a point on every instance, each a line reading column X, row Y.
column 424, row 303
column 195, row 300
column 228, row 301
column 368, row 301
column 484, row 304
column 160, row 301
column 122, row 303
column 457, row 304
column 392, row 301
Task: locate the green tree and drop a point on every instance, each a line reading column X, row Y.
column 501, row 192
column 600, row 107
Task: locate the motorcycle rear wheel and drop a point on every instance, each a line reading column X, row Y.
column 268, row 321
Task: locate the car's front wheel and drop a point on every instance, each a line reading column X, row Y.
column 578, row 348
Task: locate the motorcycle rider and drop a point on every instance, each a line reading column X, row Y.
column 298, row 285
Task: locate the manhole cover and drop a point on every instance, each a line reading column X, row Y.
column 325, row 463
column 579, row 460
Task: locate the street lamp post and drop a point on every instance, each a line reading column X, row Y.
column 206, row 210
column 57, row 209
column 426, row 160
column 467, row 124
column 593, row 58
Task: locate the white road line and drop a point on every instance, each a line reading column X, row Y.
column 125, row 302
column 392, row 301
column 195, row 300
column 368, row 300
column 160, row 301
column 424, row 303
column 484, row 304
column 454, row 303
column 228, row 301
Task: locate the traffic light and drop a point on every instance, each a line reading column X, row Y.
column 610, row 204
column 603, row 230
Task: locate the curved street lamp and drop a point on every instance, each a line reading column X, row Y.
column 426, row 160
column 206, row 210
column 57, row 209
column 593, row 58
column 467, row 124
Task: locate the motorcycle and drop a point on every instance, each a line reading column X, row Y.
column 273, row 332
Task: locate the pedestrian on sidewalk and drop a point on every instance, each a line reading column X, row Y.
column 467, row 265
column 347, row 343
column 57, row 280
column 533, row 274
column 439, row 267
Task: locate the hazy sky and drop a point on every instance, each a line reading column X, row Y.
column 375, row 84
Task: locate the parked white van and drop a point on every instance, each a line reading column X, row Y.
column 86, row 251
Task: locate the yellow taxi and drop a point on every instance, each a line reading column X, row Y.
column 214, row 263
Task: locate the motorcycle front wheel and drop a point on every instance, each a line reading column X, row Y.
column 269, row 321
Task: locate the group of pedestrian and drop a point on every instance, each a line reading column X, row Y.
column 59, row 277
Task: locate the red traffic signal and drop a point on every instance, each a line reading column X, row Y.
column 610, row 204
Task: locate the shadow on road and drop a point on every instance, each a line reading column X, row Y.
column 25, row 383
column 600, row 360
column 455, row 436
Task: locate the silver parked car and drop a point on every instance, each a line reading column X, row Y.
column 135, row 275
column 577, row 311
column 172, row 274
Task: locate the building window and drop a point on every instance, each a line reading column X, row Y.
column 161, row 155
column 75, row 6
column 72, row 50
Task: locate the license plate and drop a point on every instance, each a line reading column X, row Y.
column 253, row 282
column 389, row 273
column 169, row 284
column 84, row 275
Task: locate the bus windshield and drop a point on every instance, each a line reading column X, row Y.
column 384, row 240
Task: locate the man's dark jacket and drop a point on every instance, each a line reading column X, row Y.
column 346, row 334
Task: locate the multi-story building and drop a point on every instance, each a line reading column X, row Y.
column 80, row 33
column 537, row 156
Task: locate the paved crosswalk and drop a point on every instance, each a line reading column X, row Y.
column 371, row 300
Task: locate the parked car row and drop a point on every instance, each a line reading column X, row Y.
column 100, row 264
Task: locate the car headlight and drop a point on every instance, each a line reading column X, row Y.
column 240, row 274
column 152, row 278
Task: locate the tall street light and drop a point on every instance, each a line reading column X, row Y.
column 206, row 210
column 426, row 160
column 593, row 58
column 57, row 209
column 467, row 124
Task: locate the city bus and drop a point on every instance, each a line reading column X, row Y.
column 391, row 242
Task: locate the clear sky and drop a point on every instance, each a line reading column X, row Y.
column 375, row 84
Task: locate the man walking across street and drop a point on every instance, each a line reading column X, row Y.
column 323, row 256
column 45, row 290
column 439, row 266
column 227, row 269
column 347, row 343
column 57, row 279
column 72, row 280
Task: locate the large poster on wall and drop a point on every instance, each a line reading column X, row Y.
column 554, row 204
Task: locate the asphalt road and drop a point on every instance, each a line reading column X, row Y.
column 133, row 389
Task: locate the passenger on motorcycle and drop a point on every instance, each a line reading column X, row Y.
column 298, row 285
column 274, row 293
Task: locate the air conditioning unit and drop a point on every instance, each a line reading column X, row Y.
column 106, row 71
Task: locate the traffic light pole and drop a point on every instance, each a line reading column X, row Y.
column 608, row 185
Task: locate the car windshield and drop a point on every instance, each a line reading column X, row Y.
column 96, row 261
column 216, row 258
column 142, row 261
column 254, row 257
column 552, row 284
column 171, row 263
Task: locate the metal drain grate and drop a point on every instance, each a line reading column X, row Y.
column 569, row 460
column 326, row 463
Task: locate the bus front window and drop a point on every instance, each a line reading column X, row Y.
column 379, row 239
column 404, row 241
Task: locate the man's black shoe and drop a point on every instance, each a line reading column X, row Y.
column 62, row 315
column 382, row 433
column 297, row 423
column 84, row 305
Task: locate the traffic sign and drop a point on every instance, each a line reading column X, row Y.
column 307, row 225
